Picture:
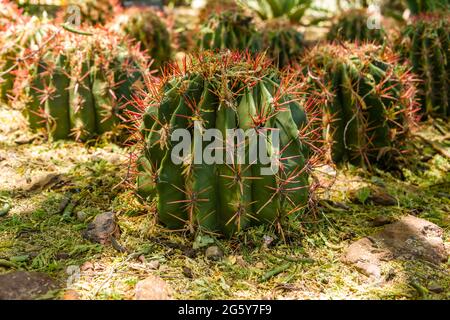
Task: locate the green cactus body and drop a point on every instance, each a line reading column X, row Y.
column 57, row 105
column 34, row 113
column 80, row 86
column 425, row 45
column 372, row 107
column 230, row 196
column 82, row 105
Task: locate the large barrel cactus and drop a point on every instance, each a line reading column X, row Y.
column 145, row 26
column 233, row 30
column 367, row 99
column 356, row 25
column 230, row 192
column 77, row 87
column 425, row 43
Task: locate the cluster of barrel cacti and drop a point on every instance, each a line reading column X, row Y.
column 425, row 43
column 367, row 101
column 233, row 30
column 357, row 25
column 224, row 91
column 77, row 86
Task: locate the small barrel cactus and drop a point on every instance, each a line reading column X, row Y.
column 282, row 41
column 16, row 42
column 220, row 93
column 425, row 43
column 426, row 6
column 145, row 26
column 367, row 100
column 357, row 25
column 233, row 30
column 92, row 12
column 77, row 86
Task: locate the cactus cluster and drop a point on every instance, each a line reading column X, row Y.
column 425, row 43
column 76, row 87
column 224, row 91
column 352, row 25
column 145, row 26
column 233, row 30
column 367, row 101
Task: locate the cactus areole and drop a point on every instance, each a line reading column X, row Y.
column 224, row 145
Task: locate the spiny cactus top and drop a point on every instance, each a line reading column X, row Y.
column 425, row 43
column 216, row 182
column 368, row 101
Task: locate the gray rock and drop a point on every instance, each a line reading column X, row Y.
column 102, row 229
column 409, row 237
column 21, row 285
column 214, row 253
column 152, row 288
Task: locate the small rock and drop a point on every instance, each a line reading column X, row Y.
column 102, row 229
column 410, row 237
column 435, row 287
column 24, row 140
column 42, row 182
column 187, row 272
column 152, row 288
column 214, row 253
column 153, row 265
column 80, row 215
column 21, row 285
column 87, row 266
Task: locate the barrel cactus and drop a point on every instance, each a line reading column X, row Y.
column 230, row 192
column 77, row 87
column 367, row 100
column 233, row 30
column 144, row 25
column 282, row 41
column 92, row 12
column 17, row 41
column 426, row 6
column 357, row 25
column 425, row 43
